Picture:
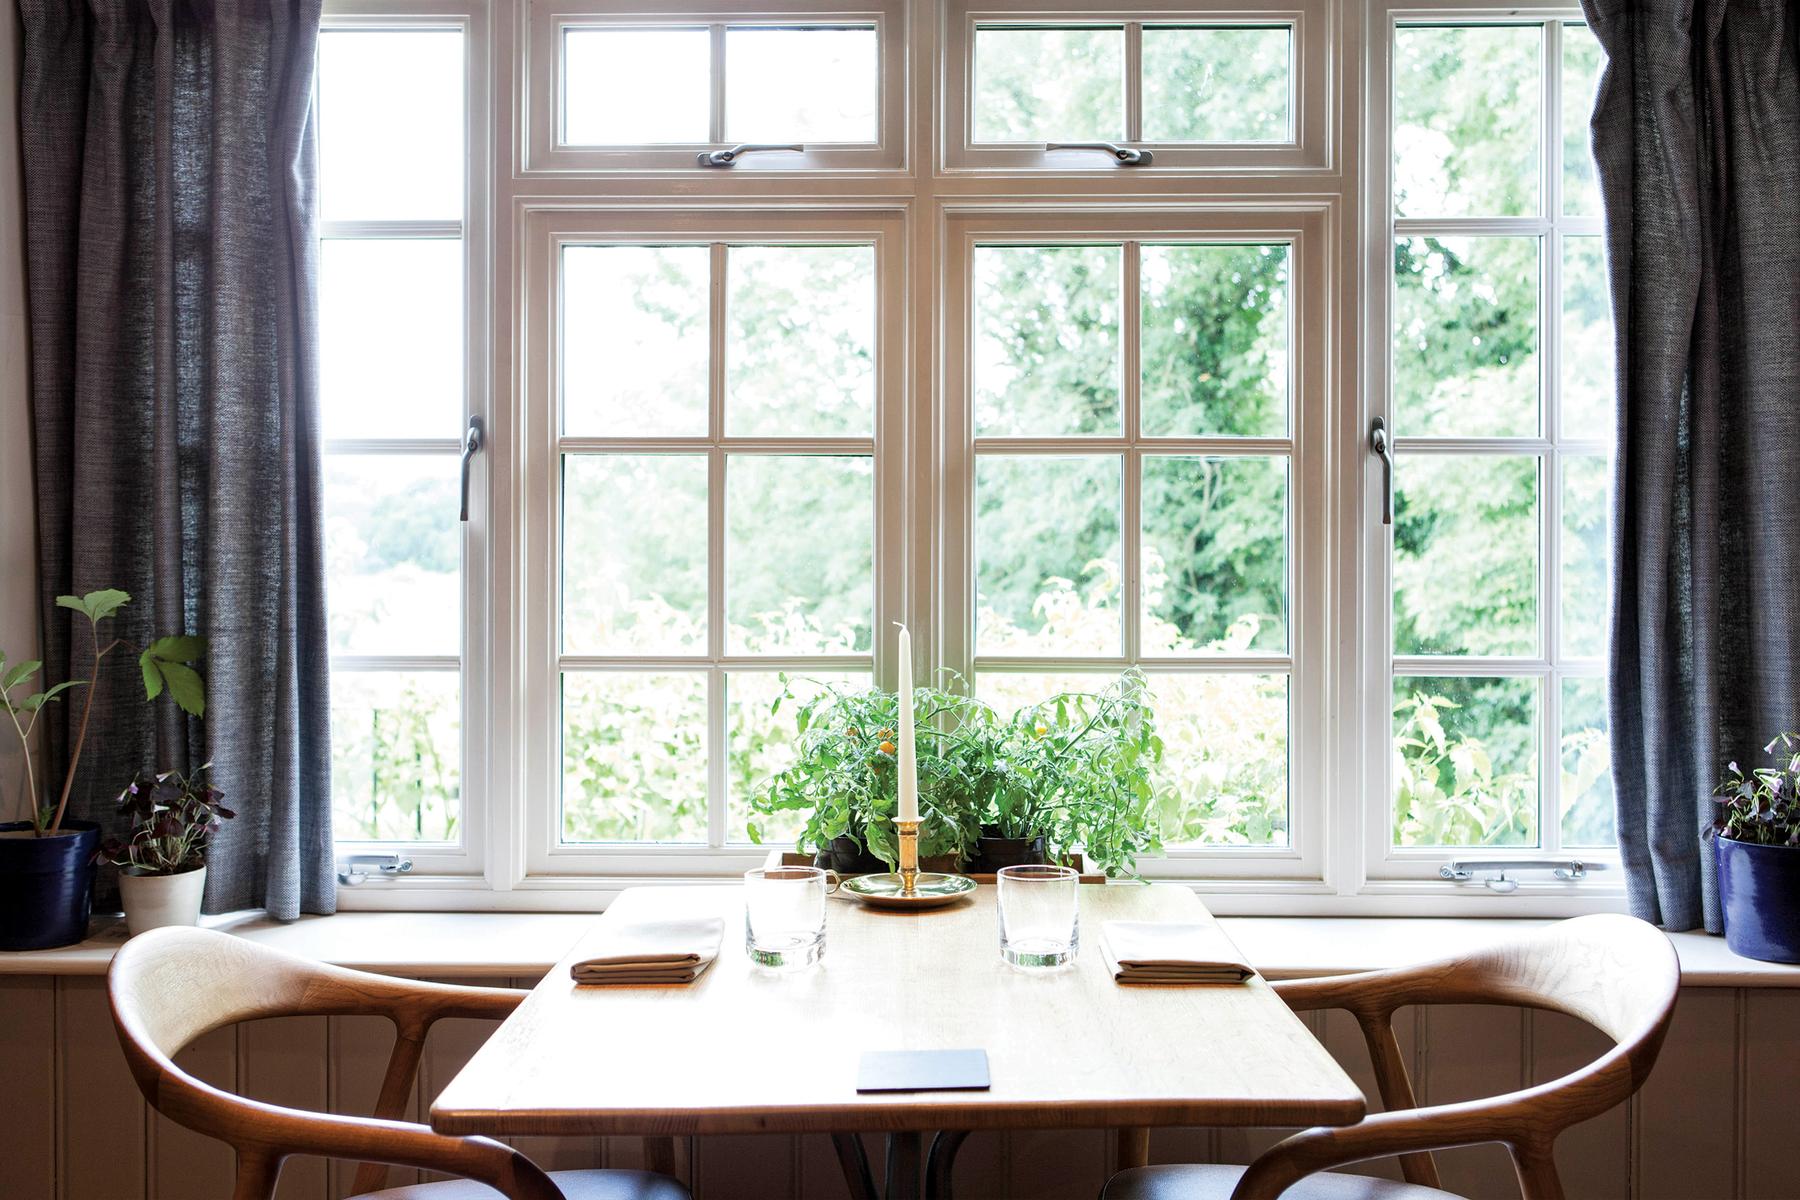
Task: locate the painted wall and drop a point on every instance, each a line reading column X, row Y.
column 18, row 518
column 1715, row 1121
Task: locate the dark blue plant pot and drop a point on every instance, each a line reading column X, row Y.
column 1759, row 891
column 46, row 885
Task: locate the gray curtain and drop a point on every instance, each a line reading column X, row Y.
column 170, row 211
column 1697, row 135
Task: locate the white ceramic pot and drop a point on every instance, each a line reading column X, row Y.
column 152, row 901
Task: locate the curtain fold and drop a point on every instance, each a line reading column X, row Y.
column 171, row 225
column 1696, row 133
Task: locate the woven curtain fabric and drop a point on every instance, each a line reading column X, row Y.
column 171, row 223
column 1697, row 135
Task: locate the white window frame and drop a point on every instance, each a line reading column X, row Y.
column 540, row 95
column 547, row 861
column 1300, row 866
column 1413, row 872
column 1312, row 96
column 466, row 858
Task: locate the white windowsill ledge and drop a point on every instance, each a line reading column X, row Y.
column 499, row 946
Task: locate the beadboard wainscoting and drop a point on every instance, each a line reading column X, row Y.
column 1715, row 1121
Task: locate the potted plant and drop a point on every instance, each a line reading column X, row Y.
column 162, row 860
column 1076, row 776
column 1756, row 840
column 843, row 778
column 47, row 861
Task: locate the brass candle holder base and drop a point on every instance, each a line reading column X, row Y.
column 909, row 857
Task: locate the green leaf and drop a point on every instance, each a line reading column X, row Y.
column 153, row 682
column 96, row 606
column 18, row 675
column 34, row 702
column 185, row 686
column 178, row 649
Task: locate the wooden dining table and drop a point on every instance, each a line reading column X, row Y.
column 746, row 1050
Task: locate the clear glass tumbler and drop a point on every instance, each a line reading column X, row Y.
column 1040, row 921
column 784, row 916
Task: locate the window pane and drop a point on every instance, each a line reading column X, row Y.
column 1588, row 385
column 1586, row 554
column 1047, row 357
column 1581, row 66
column 1216, row 85
column 1587, row 784
column 800, row 341
column 1049, row 85
column 634, row 554
column 1466, row 114
column 393, row 554
column 1006, row 692
column 1214, row 357
column 1224, row 775
column 801, row 85
column 1465, row 554
column 1047, row 555
column 1465, row 761
column 396, row 756
column 391, row 125
column 799, row 554
column 627, row 87
column 762, row 742
column 391, row 337
column 634, row 757
column 1466, row 337
column 1215, row 561
column 635, row 342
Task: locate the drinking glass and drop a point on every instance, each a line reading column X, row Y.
column 784, row 916
column 1040, row 925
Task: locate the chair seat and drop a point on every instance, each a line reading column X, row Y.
column 1215, row 1183
column 576, row 1185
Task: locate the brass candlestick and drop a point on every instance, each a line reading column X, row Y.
column 909, row 857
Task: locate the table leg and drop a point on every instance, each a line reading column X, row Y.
column 1134, row 1148
column 854, row 1161
column 940, row 1163
column 903, row 1166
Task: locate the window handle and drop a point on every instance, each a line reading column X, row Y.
column 1462, row 870
column 355, row 872
column 1126, row 156
column 1378, row 442
column 471, row 443
column 724, row 158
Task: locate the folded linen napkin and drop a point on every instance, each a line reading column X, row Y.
column 650, row 952
column 1171, row 952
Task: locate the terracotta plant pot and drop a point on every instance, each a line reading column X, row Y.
column 153, row 901
column 46, row 884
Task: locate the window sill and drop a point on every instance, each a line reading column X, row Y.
column 499, row 946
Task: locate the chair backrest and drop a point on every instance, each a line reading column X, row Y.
column 170, row 986
column 1616, row 973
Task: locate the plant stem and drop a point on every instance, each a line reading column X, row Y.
column 87, row 709
column 31, row 804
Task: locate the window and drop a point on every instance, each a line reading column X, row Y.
column 635, row 92
column 1214, row 90
column 1063, row 417
column 1500, row 395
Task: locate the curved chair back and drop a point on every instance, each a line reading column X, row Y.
column 170, row 986
column 1616, row 973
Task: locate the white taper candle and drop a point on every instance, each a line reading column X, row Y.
column 909, row 765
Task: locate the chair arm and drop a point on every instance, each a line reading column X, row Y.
column 1365, row 992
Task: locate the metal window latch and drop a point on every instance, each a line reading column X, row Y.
column 472, row 441
column 354, row 875
column 1462, row 870
column 1383, row 449
column 724, row 158
column 1125, row 156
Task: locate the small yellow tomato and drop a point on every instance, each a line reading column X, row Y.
column 887, row 747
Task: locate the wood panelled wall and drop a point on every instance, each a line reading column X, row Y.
column 1716, row 1122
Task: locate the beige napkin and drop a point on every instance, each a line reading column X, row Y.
column 650, row 952
column 1169, row 952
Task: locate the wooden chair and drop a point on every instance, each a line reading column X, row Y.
column 1616, row 973
column 170, row 986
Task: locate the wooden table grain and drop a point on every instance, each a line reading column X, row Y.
column 745, row 1051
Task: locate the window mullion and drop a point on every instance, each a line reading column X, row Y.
column 1134, row 81
column 716, row 121
column 1132, row 469
column 715, row 543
